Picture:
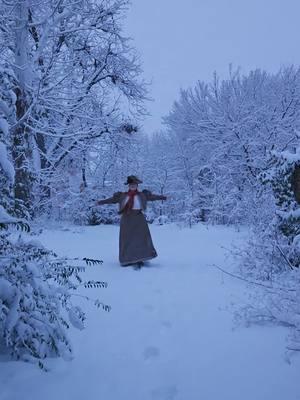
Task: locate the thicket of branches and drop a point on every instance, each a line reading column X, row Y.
column 68, row 77
column 71, row 99
column 210, row 157
column 234, row 150
column 69, row 85
column 224, row 131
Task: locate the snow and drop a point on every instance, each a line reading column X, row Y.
column 291, row 157
column 4, row 126
column 3, row 106
column 6, row 290
column 289, row 214
column 36, row 158
column 5, row 217
column 13, row 315
column 5, row 164
column 169, row 335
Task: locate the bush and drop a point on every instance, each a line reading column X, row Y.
column 36, row 288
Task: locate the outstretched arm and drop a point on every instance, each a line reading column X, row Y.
column 152, row 197
column 111, row 200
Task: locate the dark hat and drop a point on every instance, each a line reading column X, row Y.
column 132, row 179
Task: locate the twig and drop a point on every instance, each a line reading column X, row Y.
column 252, row 282
column 284, row 256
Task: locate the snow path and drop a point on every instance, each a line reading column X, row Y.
column 169, row 335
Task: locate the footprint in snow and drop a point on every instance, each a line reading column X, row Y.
column 166, row 324
column 151, row 352
column 165, row 393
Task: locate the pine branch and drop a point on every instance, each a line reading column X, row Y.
column 95, row 284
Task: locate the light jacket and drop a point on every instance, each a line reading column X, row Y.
column 119, row 197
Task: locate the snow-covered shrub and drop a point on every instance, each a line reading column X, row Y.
column 191, row 215
column 284, row 177
column 36, row 288
column 101, row 215
column 220, row 135
column 89, row 214
column 275, row 302
column 272, row 255
column 79, row 207
column 6, row 175
column 161, row 220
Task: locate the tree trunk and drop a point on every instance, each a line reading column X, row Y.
column 296, row 183
column 22, row 185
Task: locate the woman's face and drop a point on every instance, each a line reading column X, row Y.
column 133, row 186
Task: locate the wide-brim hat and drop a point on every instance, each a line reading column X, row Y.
column 132, row 179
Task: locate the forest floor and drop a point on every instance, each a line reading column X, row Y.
column 169, row 334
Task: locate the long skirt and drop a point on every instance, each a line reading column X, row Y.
column 135, row 242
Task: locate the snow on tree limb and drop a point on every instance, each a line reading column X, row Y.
column 6, row 164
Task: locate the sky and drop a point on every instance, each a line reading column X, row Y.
column 182, row 41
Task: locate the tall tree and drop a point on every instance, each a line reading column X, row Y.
column 229, row 126
column 74, row 77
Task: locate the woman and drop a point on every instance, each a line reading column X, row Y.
column 135, row 243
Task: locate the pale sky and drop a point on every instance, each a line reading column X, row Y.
column 181, row 42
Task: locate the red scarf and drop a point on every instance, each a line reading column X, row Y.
column 128, row 206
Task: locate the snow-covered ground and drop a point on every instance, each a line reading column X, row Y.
column 169, row 335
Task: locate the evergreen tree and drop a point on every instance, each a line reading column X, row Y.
column 283, row 175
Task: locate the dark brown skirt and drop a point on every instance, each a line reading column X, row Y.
column 135, row 242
